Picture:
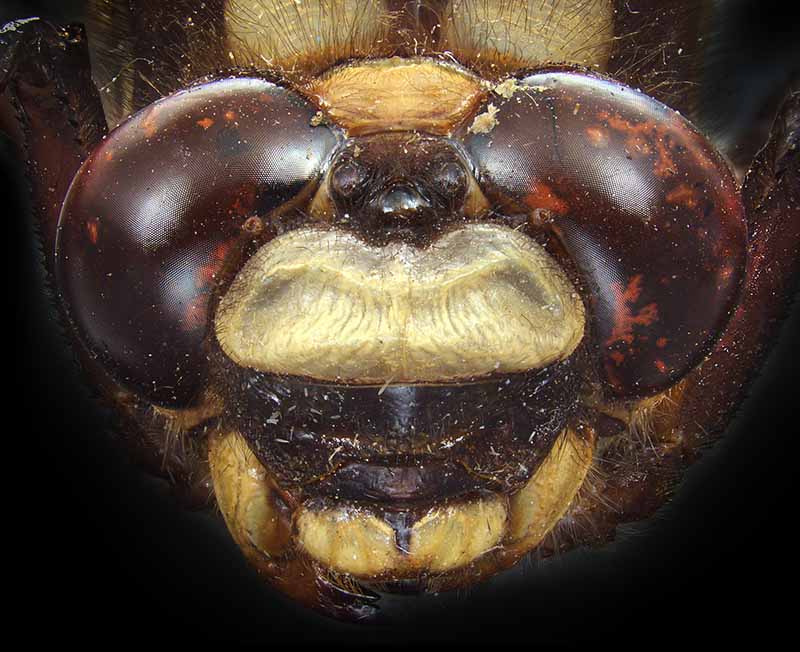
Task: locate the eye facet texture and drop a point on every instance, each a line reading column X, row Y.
column 153, row 213
column 642, row 203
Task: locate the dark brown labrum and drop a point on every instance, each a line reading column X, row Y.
column 499, row 429
column 643, row 204
column 156, row 210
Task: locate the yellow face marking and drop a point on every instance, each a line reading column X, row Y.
column 324, row 305
column 245, row 498
column 355, row 540
column 397, row 95
column 452, row 536
column 540, row 504
column 349, row 540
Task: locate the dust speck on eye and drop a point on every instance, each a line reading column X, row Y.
column 507, row 88
column 317, row 119
column 484, row 122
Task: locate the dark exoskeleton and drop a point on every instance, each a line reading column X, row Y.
column 52, row 109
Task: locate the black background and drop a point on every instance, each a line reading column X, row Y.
column 101, row 554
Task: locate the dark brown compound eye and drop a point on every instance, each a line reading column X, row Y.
column 642, row 203
column 153, row 214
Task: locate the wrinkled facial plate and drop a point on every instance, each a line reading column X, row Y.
column 323, row 304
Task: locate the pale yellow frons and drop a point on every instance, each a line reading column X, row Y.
column 324, row 305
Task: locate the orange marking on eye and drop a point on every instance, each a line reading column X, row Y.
column 624, row 317
column 542, row 196
column 230, row 116
column 642, row 138
column 730, row 203
column 598, row 137
column 724, row 276
column 664, row 165
column 149, row 122
column 206, row 274
column 695, row 145
column 638, row 144
column 244, row 201
column 109, row 155
column 661, row 342
column 205, row 123
column 612, row 375
column 683, row 194
column 661, row 366
column 196, row 313
column 93, row 230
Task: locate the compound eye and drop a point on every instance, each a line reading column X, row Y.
column 348, row 178
column 642, row 203
column 155, row 213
